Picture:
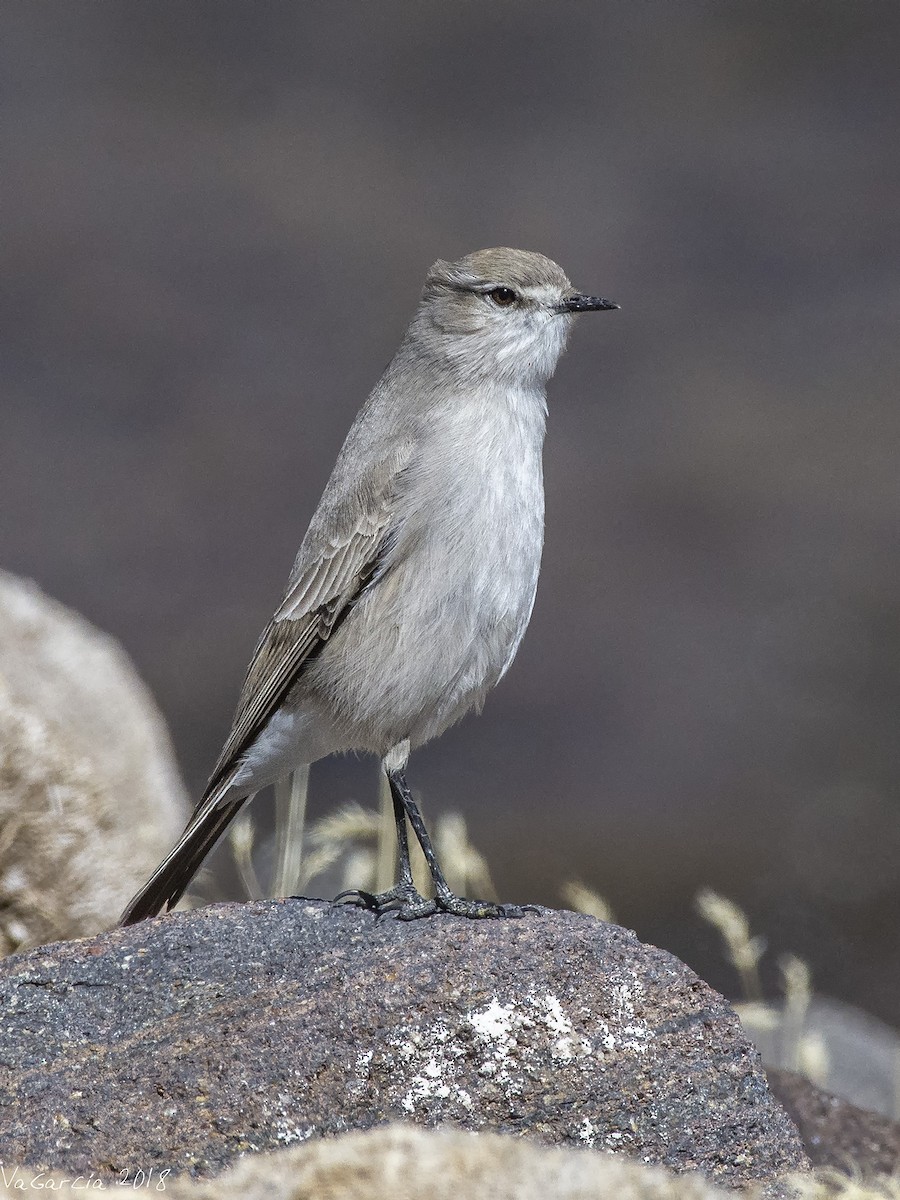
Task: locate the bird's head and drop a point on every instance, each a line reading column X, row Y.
column 501, row 313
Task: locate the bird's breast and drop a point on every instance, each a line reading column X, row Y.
column 443, row 619
column 473, row 517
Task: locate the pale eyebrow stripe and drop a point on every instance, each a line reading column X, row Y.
column 478, row 285
column 482, row 286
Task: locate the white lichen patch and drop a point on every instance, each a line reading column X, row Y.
column 587, row 1132
column 495, row 1022
column 288, row 1134
column 364, row 1060
column 509, row 1043
column 433, row 1083
column 497, row 1027
column 634, row 1033
column 566, row 1044
column 433, row 1056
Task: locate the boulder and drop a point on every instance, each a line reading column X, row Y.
column 184, row 1042
column 90, row 796
column 835, row 1132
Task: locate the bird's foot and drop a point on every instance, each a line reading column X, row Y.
column 409, row 905
column 480, row 910
column 402, row 899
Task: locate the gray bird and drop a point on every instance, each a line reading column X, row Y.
column 416, row 578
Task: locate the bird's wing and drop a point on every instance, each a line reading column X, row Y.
column 331, row 572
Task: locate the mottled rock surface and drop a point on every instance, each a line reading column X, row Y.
column 185, row 1041
column 90, row 795
column 835, row 1132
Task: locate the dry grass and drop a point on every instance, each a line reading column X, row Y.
column 360, row 841
column 800, row 1049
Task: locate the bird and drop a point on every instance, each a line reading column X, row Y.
column 416, row 578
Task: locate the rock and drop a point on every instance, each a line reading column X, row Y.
column 90, row 796
column 416, row 1164
column 835, row 1132
column 186, row 1041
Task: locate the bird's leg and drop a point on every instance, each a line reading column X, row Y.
column 444, row 900
column 403, row 895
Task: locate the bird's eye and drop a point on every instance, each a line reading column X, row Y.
column 503, row 296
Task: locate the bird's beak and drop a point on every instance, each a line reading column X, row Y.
column 577, row 303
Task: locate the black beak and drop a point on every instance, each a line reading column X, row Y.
column 578, row 303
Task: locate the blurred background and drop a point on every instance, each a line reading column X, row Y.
column 216, row 220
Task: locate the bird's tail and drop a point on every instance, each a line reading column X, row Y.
column 167, row 883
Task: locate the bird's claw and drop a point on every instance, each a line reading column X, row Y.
column 409, row 905
column 481, row 910
column 403, row 900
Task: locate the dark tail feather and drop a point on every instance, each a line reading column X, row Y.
column 166, row 885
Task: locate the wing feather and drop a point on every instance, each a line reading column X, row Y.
column 320, row 594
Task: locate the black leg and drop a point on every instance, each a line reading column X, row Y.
column 402, row 843
column 444, row 900
column 403, row 899
column 403, row 896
